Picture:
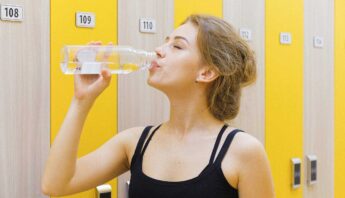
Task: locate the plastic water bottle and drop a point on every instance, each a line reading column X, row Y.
column 90, row 59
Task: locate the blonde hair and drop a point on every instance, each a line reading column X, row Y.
column 224, row 50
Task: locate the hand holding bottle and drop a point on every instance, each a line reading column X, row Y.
column 88, row 87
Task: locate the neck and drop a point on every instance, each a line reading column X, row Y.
column 190, row 114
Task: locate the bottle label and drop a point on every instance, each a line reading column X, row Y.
column 90, row 68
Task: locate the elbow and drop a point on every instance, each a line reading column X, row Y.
column 50, row 189
column 46, row 190
column 44, row 186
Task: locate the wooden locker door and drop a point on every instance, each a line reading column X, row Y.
column 101, row 122
column 138, row 103
column 249, row 15
column 24, row 100
column 319, row 95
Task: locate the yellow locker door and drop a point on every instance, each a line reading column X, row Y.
column 339, row 61
column 101, row 122
column 182, row 9
column 284, row 92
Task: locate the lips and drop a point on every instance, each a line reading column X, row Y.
column 154, row 65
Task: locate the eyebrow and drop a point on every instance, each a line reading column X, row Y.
column 177, row 37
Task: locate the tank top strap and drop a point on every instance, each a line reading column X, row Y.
column 216, row 145
column 149, row 139
column 140, row 143
column 226, row 146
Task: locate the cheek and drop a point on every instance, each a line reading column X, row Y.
column 177, row 76
column 180, row 71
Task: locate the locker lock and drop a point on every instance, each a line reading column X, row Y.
column 296, row 172
column 311, row 169
column 103, row 191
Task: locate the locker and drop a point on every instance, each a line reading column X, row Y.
column 24, row 97
column 284, row 92
column 101, row 122
column 138, row 103
column 250, row 15
column 318, row 80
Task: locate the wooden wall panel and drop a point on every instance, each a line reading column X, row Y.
column 250, row 14
column 24, row 100
column 319, row 96
column 339, row 42
column 138, row 103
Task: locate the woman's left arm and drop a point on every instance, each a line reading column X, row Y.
column 254, row 178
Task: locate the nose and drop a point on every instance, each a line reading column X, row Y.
column 160, row 51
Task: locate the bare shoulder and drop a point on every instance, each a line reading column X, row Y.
column 248, row 168
column 131, row 134
column 129, row 139
column 243, row 153
column 246, row 147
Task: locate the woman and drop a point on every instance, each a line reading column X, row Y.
column 201, row 67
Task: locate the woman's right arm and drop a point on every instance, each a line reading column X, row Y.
column 65, row 174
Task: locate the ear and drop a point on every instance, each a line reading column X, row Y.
column 207, row 74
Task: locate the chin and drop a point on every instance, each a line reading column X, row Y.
column 153, row 83
column 157, row 84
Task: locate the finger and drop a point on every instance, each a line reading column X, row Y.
column 106, row 74
column 104, row 79
column 99, row 86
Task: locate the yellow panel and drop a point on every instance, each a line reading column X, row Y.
column 185, row 8
column 101, row 123
column 284, row 92
column 339, row 98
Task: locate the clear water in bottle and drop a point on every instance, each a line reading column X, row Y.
column 91, row 59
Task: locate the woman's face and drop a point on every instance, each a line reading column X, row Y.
column 179, row 61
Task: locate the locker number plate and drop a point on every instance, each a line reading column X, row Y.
column 85, row 19
column 285, row 38
column 147, row 25
column 11, row 13
column 246, row 34
column 318, row 42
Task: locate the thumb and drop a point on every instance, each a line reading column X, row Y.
column 104, row 79
column 106, row 75
column 102, row 82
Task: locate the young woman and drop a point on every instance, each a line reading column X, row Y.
column 201, row 67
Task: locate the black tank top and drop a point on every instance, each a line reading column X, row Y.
column 210, row 183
